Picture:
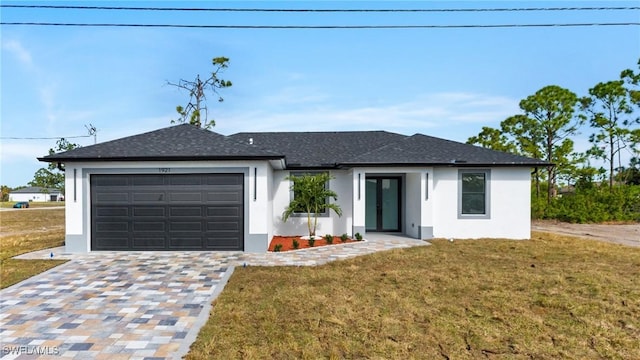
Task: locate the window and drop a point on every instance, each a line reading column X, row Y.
column 473, row 193
column 299, row 212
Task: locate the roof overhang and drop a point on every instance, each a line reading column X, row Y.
column 159, row 158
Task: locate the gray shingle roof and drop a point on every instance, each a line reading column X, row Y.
column 35, row 190
column 319, row 149
column 429, row 150
column 300, row 149
column 181, row 142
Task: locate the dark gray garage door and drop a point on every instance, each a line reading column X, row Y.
column 167, row 212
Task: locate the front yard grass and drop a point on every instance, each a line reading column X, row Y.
column 23, row 231
column 551, row 297
column 33, row 204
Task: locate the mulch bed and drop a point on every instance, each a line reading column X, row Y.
column 287, row 242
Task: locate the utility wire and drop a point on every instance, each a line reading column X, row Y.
column 135, row 8
column 44, row 138
column 320, row 26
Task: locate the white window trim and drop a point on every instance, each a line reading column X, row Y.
column 487, row 194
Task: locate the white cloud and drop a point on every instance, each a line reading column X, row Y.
column 423, row 113
column 16, row 48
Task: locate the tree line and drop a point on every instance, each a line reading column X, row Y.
column 549, row 121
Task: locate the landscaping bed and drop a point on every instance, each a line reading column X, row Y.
column 287, row 242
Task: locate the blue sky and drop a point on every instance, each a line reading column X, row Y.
column 441, row 82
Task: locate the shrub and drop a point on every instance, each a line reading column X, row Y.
column 296, row 243
column 277, row 248
column 358, row 236
column 591, row 204
column 329, row 239
column 344, row 237
column 312, row 241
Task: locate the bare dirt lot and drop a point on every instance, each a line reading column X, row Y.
column 626, row 234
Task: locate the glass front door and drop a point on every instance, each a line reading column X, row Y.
column 382, row 204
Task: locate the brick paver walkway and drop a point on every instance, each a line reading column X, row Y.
column 134, row 305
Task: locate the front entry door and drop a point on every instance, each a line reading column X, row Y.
column 382, row 203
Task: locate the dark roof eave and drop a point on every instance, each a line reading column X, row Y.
column 163, row 158
column 449, row 164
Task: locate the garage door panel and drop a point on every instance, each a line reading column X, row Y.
column 109, row 226
column 183, row 211
column 113, row 198
column 143, row 243
column 149, row 226
column 223, row 225
column 146, row 180
column 224, row 197
column 223, row 179
column 139, row 211
column 222, row 243
column 148, row 197
column 178, row 226
column 167, row 212
column 184, row 242
column 223, row 211
column 187, row 179
column 104, row 181
column 113, row 242
column 186, row 197
column 112, row 211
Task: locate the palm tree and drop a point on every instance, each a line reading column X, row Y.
column 310, row 196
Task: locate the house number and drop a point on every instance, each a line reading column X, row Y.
column 164, row 170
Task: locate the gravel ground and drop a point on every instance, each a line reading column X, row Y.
column 625, row 234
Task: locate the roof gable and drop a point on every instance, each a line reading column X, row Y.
column 180, row 142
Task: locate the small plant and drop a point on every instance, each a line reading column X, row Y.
column 277, row 248
column 358, row 236
column 344, row 237
column 296, row 243
column 312, row 241
column 329, row 239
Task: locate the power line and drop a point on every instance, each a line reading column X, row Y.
column 44, row 138
column 135, row 8
column 472, row 26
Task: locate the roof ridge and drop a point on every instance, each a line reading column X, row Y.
column 315, row 132
column 379, row 148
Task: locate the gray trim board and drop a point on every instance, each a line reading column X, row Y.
column 425, row 232
column 256, row 243
column 75, row 244
column 359, row 229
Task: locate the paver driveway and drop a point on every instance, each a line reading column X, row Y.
column 135, row 305
column 144, row 305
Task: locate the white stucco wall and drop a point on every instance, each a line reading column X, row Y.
column 78, row 209
column 413, row 200
column 297, row 225
column 38, row 197
column 509, row 206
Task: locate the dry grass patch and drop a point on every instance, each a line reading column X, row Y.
column 552, row 297
column 23, row 232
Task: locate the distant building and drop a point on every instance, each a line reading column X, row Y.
column 36, row 193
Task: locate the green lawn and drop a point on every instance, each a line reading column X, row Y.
column 551, row 297
column 24, row 231
column 9, row 204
